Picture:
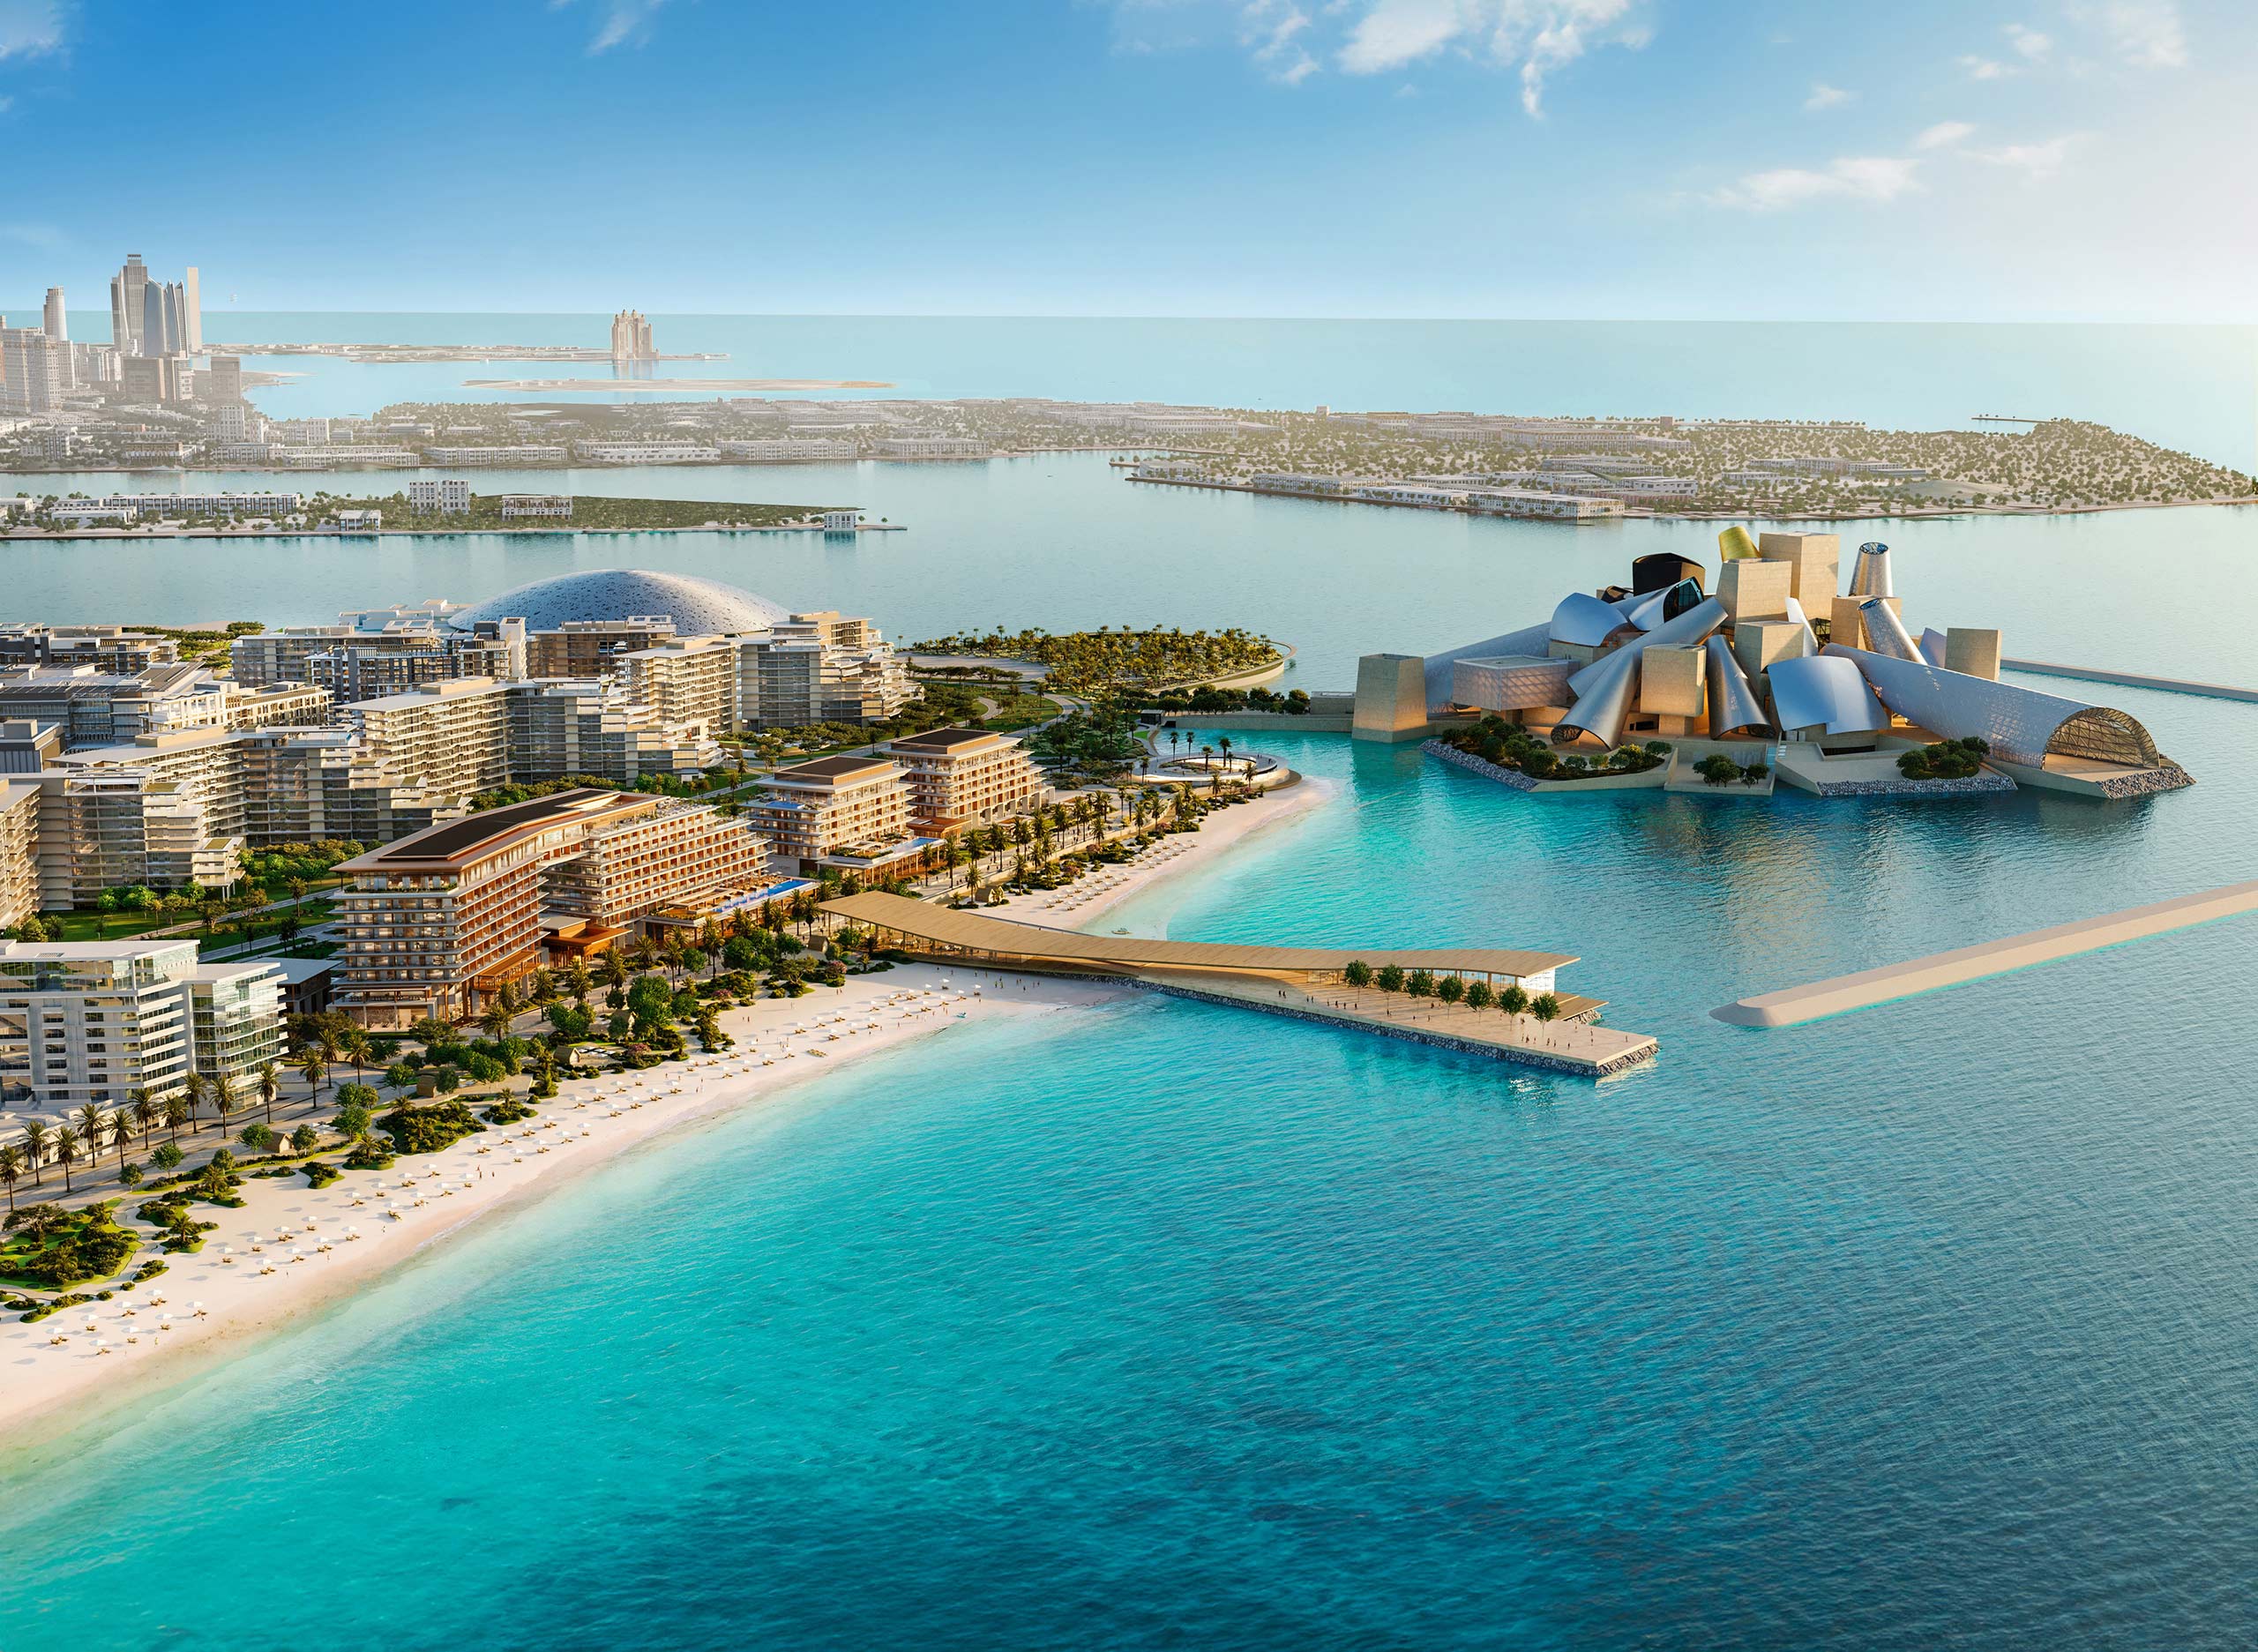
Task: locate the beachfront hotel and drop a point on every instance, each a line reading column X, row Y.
column 852, row 809
column 958, row 776
column 439, row 922
column 1780, row 670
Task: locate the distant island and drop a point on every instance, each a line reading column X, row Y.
column 1571, row 469
column 424, row 508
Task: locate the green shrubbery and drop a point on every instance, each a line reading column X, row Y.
column 1509, row 746
column 1947, row 759
column 428, row 1129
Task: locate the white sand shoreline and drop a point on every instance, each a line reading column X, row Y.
column 40, row 1380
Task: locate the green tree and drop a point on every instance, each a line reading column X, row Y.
column 1451, row 988
column 1357, row 973
column 36, row 1140
column 1390, row 978
column 1421, row 985
column 257, row 1137
column 1478, row 995
column 1513, row 998
column 1545, row 1007
column 11, row 1171
column 304, row 1140
column 67, row 1148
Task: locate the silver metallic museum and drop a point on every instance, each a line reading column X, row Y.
column 1783, row 667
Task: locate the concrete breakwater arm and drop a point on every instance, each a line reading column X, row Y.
column 1843, row 993
column 2130, row 679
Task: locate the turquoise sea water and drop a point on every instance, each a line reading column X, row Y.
column 1170, row 1326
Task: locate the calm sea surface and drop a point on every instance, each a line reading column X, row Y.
column 1168, row 1325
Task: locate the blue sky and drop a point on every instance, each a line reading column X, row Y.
column 1426, row 158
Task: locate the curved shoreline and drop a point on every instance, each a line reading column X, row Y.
column 81, row 1390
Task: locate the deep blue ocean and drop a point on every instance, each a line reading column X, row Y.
column 1170, row 1326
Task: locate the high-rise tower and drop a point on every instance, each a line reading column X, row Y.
column 191, row 314
column 57, row 325
column 127, row 305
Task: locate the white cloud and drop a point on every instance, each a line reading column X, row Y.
column 1987, row 69
column 2029, row 41
column 619, row 22
column 46, row 237
column 2149, row 33
column 2033, row 160
column 1943, row 135
column 1826, row 97
column 1272, row 29
column 1848, row 177
column 1540, row 36
column 30, row 27
column 6, row 104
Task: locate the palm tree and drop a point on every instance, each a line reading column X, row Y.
column 67, row 1148
column 357, row 1051
column 94, row 1124
column 496, row 1020
column 269, row 1088
column 11, row 1171
column 315, row 1066
column 121, row 1135
column 223, row 1096
column 1224, row 741
column 191, row 1096
column 579, row 981
column 145, row 1113
column 177, row 1114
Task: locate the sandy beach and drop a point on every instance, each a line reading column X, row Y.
column 291, row 1249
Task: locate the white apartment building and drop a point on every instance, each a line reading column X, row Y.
column 933, row 447
column 787, row 450
column 452, row 736
column 95, row 1021
column 442, row 496
column 647, row 452
column 536, row 504
column 686, row 679
column 235, row 1016
column 959, row 775
column 833, row 805
column 488, row 457
column 819, row 668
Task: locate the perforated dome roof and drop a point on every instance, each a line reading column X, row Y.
column 698, row 606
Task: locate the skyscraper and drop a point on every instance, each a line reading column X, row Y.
column 31, row 369
column 176, row 319
column 191, row 314
column 630, row 337
column 126, row 305
column 58, row 325
column 149, row 339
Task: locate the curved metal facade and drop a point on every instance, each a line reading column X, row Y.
column 1584, row 620
column 1825, row 691
column 1886, row 631
column 1687, row 629
column 2020, row 725
column 1869, row 575
column 1733, row 706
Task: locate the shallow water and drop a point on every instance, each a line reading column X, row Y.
column 1171, row 1324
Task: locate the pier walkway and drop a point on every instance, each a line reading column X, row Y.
column 1795, row 1006
column 1303, row 982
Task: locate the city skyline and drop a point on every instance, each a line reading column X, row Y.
column 1483, row 158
